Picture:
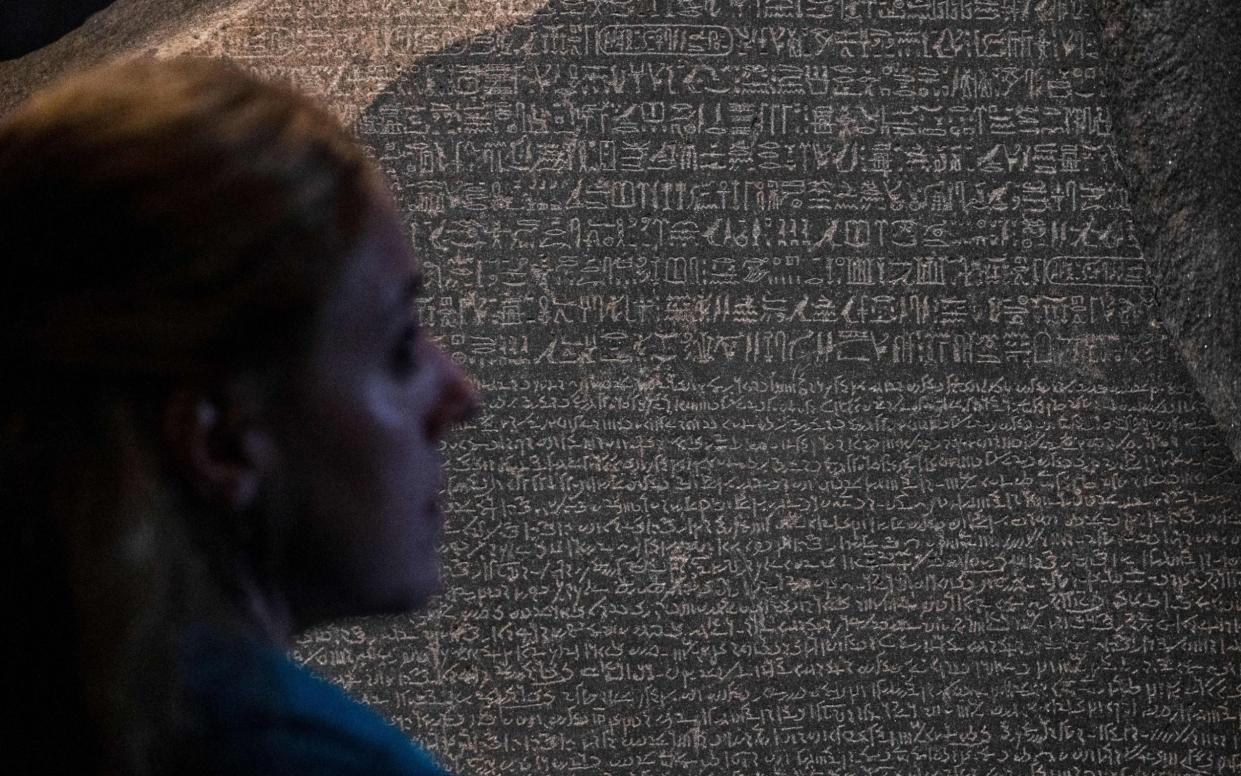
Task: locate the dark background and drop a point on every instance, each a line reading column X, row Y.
column 26, row 26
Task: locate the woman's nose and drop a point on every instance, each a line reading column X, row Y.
column 459, row 398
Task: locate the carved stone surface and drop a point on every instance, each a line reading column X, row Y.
column 342, row 51
column 829, row 423
column 831, row 428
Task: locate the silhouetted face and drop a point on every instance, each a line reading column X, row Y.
column 360, row 454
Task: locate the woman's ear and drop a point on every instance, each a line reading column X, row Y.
column 218, row 443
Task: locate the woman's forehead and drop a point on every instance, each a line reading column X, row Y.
column 388, row 248
column 386, row 218
column 375, row 283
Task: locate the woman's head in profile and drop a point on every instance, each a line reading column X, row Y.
column 217, row 405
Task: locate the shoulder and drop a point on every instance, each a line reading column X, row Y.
column 258, row 711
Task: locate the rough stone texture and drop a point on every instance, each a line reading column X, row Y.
column 346, row 53
column 125, row 28
column 333, row 49
column 1174, row 69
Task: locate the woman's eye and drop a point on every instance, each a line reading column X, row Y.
column 405, row 356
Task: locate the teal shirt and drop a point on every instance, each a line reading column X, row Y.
column 263, row 713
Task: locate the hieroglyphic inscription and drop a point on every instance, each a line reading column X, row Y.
column 827, row 428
